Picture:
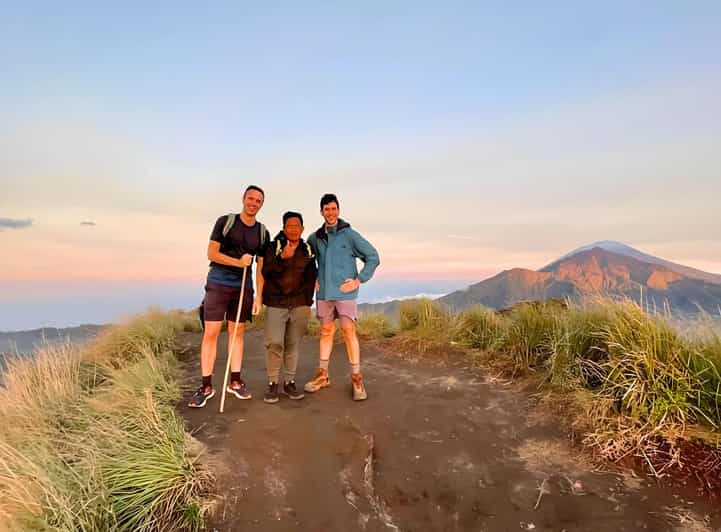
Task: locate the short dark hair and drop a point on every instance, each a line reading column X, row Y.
column 291, row 214
column 329, row 198
column 254, row 187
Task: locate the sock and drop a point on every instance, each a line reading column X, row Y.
column 208, row 381
column 324, row 364
column 235, row 376
column 355, row 368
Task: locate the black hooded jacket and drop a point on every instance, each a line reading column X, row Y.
column 289, row 283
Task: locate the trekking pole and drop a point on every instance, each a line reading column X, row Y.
column 232, row 340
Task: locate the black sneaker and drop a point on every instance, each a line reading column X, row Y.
column 291, row 391
column 271, row 394
column 201, row 396
column 239, row 389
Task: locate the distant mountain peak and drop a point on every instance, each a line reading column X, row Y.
column 606, row 267
column 607, row 245
column 624, row 249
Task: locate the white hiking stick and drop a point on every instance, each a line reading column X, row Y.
column 232, row 340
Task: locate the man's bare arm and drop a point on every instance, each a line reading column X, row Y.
column 214, row 255
column 259, row 283
column 259, row 279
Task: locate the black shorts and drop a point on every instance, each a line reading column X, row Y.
column 221, row 302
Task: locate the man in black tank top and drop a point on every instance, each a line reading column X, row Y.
column 229, row 251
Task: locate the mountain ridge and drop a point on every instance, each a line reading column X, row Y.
column 624, row 249
column 593, row 271
column 26, row 341
column 610, row 268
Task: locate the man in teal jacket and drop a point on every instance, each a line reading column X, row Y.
column 337, row 246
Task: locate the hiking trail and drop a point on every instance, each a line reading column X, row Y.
column 435, row 447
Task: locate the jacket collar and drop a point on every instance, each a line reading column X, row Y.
column 342, row 224
column 280, row 240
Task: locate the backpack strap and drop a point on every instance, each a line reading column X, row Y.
column 263, row 234
column 229, row 222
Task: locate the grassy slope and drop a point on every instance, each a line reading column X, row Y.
column 89, row 437
column 633, row 383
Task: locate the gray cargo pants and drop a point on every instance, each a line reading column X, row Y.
column 284, row 328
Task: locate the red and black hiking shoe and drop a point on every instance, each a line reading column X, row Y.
column 239, row 389
column 201, row 396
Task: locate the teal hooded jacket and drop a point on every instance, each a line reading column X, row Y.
column 336, row 251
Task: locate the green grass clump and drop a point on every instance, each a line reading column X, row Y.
column 159, row 487
column 155, row 330
column 423, row 315
column 479, row 328
column 375, row 325
column 424, row 324
column 527, row 336
column 654, row 374
column 573, row 342
column 705, row 361
column 89, row 438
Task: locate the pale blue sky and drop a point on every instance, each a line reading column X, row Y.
column 462, row 137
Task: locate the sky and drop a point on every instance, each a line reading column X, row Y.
column 462, row 138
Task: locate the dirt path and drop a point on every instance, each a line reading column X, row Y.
column 433, row 448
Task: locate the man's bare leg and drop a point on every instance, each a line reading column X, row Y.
column 352, row 344
column 208, row 351
column 209, row 347
column 327, row 333
column 236, row 360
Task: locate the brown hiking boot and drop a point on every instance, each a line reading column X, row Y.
column 321, row 380
column 359, row 391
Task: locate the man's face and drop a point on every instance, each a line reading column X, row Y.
column 252, row 202
column 330, row 212
column 293, row 229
